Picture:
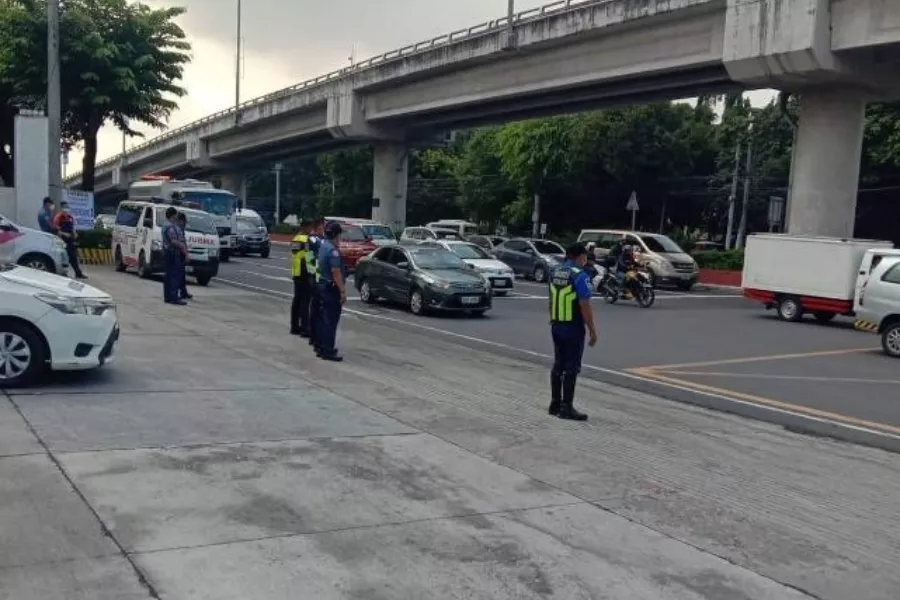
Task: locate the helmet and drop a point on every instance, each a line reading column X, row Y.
column 332, row 229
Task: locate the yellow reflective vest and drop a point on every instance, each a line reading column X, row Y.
column 563, row 298
column 299, row 250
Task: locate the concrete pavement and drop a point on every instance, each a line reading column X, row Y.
column 714, row 349
column 218, row 459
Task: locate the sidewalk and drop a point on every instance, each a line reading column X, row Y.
column 217, row 459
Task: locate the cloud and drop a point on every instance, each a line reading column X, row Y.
column 288, row 42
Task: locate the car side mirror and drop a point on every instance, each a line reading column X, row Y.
column 403, row 265
column 148, row 223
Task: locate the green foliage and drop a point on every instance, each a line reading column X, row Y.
column 722, row 260
column 100, row 239
column 120, row 63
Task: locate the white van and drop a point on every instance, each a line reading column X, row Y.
column 665, row 259
column 32, row 248
column 137, row 240
column 463, row 228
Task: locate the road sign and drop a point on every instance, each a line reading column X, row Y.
column 543, row 229
column 633, row 203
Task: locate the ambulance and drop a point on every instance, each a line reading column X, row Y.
column 137, row 240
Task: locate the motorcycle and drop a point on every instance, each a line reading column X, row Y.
column 637, row 283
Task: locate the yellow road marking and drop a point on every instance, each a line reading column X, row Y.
column 784, row 377
column 737, row 361
column 650, row 373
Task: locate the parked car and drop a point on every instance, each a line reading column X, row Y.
column 379, row 233
column 531, row 257
column 499, row 275
column 462, row 228
column 421, row 234
column 355, row 244
column 665, row 259
column 32, row 248
column 424, row 278
column 51, row 321
column 488, row 242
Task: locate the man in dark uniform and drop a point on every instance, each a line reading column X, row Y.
column 570, row 314
column 181, row 223
column 315, row 302
column 64, row 225
column 302, row 284
column 332, row 292
column 173, row 251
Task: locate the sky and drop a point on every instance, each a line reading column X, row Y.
column 288, row 42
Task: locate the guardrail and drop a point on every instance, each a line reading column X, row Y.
column 404, row 52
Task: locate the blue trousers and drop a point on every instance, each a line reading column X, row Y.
column 568, row 348
column 172, row 276
column 329, row 317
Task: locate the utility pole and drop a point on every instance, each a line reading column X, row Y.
column 742, row 228
column 510, row 30
column 237, row 68
column 729, row 232
column 277, row 170
column 54, row 103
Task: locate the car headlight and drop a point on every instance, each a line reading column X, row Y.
column 444, row 285
column 77, row 306
column 58, row 243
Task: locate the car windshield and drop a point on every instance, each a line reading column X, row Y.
column 352, row 234
column 249, row 224
column 445, row 234
column 661, row 243
column 468, row 251
column 215, row 203
column 545, row 247
column 378, row 232
column 432, row 259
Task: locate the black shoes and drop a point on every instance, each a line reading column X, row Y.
column 555, row 393
column 564, row 388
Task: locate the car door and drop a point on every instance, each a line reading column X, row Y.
column 376, row 271
column 882, row 294
column 504, row 253
column 398, row 278
column 528, row 258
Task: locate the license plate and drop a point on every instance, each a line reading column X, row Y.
column 471, row 300
column 498, row 282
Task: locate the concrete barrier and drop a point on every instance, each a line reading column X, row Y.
column 95, row 256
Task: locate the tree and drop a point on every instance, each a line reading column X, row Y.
column 120, row 63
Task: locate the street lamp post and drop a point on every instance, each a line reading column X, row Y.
column 237, row 68
column 277, row 169
column 54, row 103
column 510, row 32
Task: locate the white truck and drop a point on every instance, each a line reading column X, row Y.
column 221, row 205
column 799, row 275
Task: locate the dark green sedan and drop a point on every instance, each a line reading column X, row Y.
column 423, row 278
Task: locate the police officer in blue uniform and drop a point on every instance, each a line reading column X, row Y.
column 332, row 292
column 570, row 314
column 173, row 251
column 313, row 246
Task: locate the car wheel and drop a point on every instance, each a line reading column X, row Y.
column 417, row 302
column 225, row 255
column 500, row 293
column 540, row 274
column 264, row 253
column 23, row 354
column 121, row 267
column 143, row 268
column 890, row 339
column 38, row 262
column 365, row 293
column 478, row 313
column 203, row 280
column 789, row 309
column 684, row 286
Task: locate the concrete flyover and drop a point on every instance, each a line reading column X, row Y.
column 568, row 56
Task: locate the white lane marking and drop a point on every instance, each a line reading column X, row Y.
column 631, row 376
column 264, row 265
column 264, row 276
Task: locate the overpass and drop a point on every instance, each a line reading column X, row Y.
column 568, row 56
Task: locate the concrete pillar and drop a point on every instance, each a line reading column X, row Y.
column 237, row 185
column 826, row 162
column 391, row 165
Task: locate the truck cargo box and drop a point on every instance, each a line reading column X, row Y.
column 818, row 267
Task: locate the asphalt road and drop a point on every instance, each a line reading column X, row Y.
column 709, row 347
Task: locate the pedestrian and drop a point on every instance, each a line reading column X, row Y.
column 173, row 252
column 570, row 314
column 64, row 226
column 302, row 283
column 332, row 292
column 312, row 258
column 45, row 217
column 181, row 222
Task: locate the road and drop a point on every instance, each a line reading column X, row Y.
column 709, row 347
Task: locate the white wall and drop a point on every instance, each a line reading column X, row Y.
column 8, row 203
column 32, row 170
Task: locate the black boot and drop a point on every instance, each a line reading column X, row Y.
column 556, row 383
column 566, row 410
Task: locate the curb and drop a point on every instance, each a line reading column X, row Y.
column 95, row 256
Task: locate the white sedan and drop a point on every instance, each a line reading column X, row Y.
column 48, row 321
column 498, row 274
